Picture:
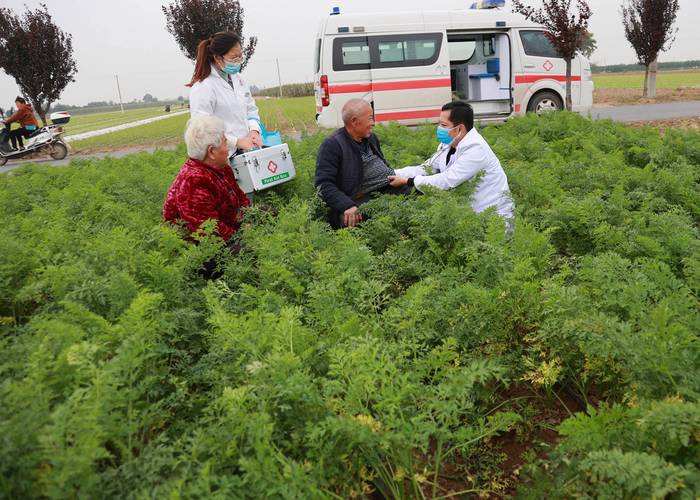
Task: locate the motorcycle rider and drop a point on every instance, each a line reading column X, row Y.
column 26, row 119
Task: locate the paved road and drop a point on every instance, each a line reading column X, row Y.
column 646, row 112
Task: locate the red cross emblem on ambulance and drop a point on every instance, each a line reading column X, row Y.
column 548, row 65
column 272, row 166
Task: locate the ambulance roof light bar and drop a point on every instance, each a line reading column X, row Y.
column 488, row 4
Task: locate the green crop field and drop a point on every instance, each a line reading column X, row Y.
column 424, row 354
column 89, row 122
column 291, row 114
column 665, row 80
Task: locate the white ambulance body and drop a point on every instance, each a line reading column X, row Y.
column 409, row 64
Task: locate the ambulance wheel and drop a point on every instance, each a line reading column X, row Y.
column 58, row 151
column 545, row 102
column 3, row 160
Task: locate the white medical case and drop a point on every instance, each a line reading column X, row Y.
column 263, row 168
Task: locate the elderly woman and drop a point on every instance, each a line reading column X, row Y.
column 205, row 187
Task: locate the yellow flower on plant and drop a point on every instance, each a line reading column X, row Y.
column 368, row 421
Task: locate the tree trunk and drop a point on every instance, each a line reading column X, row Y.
column 41, row 110
column 645, row 92
column 568, row 85
column 652, row 78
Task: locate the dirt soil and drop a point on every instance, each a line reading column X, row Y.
column 679, row 123
column 625, row 97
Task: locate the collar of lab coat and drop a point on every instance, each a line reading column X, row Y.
column 469, row 140
column 223, row 75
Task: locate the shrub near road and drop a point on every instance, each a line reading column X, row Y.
column 406, row 356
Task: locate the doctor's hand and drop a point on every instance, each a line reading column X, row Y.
column 397, row 181
column 245, row 143
column 351, row 217
column 255, row 136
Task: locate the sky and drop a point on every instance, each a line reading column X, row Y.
column 128, row 38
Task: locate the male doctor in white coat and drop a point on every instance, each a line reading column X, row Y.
column 461, row 155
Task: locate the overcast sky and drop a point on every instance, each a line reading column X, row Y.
column 128, row 38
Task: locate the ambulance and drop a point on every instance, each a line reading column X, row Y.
column 407, row 65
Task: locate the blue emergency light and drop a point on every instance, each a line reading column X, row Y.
column 488, row 4
column 335, row 11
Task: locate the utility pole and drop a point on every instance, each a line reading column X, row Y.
column 279, row 77
column 120, row 93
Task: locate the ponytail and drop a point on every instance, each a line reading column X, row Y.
column 202, row 67
column 217, row 45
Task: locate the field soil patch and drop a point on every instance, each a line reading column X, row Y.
column 624, row 97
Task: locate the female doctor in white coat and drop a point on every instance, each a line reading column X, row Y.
column 218, row 90
column 462, row 154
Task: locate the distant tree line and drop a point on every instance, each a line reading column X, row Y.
column 620, row 68
column 289, row 90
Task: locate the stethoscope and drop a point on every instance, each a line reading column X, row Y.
column 441, row 151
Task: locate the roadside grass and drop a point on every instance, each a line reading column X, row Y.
column 290, row 115
column 633, row 80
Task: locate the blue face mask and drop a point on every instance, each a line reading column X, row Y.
column 443, row 135
column 232, row 69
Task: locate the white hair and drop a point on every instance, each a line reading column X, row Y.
column 353, row 108
column 202, row 132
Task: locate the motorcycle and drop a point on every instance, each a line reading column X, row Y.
column 48, row 140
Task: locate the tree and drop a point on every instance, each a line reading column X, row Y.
column 149, row 98
column 589, row 45
column 565, row 30
column 37, row 54
column 649, row 28
column 191, row 21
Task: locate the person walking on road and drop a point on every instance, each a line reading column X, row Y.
column 218, row 90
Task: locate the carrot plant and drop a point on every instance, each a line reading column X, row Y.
column 375, row 361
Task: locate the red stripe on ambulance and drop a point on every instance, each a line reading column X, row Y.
column 387, row 86
column 536, row 78
column 407, row 115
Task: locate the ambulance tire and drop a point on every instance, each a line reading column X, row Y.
column 545, row 102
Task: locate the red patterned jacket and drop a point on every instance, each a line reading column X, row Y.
column 201, row 192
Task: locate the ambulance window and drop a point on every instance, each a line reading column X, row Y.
column 317, row 57
column 406, row 50
column 350, row 53
column 461, row 50
column 355, row 53
column 537, row 44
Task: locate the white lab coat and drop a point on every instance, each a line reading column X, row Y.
column 472, row 155
column 235, row 106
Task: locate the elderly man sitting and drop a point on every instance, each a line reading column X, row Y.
column 350, row 166
column 205, row 187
